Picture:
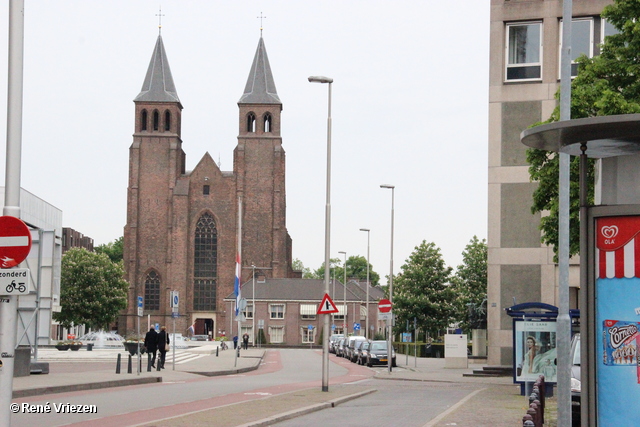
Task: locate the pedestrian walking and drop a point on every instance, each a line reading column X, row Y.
column 151, row 343
column 245, row 341
column 163, row 345
column 235, row 342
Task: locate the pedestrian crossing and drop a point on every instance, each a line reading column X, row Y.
column 109, row 355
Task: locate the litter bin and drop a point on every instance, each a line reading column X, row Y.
column 89, row 347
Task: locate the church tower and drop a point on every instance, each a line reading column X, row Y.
column 259, row 165
column 156, row 160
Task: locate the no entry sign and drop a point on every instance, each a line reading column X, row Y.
column 384, row 306
column 15, row 241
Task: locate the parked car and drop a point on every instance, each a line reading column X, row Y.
column 378, row 354
column 350, row 344
column 333, row 342
column 340, row 348
column 353, row 353
column 199, row 338
column 575, row 380
column 363, row 352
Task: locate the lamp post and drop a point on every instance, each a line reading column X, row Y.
column 344, row 284
column 327, row 234
column 390, row 325
column 366, row 333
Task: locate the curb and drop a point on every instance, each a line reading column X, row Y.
column 86, row 386
column 306, row 410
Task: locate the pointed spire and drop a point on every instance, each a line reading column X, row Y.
column 260, row 88
column 158, row 84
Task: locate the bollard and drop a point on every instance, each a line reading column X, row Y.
column 158, row 363
column 129, row 370
column 528, row 423
column 217, row 348
column 534, row 416
column 118, row 363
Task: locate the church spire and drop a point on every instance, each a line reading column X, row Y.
column 260, row 88
column 158, row 84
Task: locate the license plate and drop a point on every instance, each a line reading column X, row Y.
column 383, row 360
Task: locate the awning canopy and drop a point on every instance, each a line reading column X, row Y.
column 308, row 309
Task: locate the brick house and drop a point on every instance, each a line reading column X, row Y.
column 285, row 308
column 182, row 226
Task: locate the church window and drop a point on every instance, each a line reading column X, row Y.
column 143, row 119
column 156, row 120
column 251, row 122
column 267, row 122
column 205, row 190
column 205, row 260
column 167, row 120
column 152, row 291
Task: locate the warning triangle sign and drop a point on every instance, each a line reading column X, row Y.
column 327, row 306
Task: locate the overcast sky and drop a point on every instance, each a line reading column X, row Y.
column 410, row 102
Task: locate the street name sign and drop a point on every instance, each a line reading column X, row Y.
column 15, row 241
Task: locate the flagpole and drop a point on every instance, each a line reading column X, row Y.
column 238, row 274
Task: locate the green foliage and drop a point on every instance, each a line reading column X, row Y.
column 422, row 290
column 356, row 268
column 262, row 338
column 297, row 265
column 114, row 250
column 92, row 289
column 470, row 282
column 607, row 84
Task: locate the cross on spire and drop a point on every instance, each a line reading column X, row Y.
column 261, row 18
column 160, row 15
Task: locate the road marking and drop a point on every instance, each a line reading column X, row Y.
column 434, row 421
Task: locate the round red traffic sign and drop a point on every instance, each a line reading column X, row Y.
column 15, row 241
column 384, row 305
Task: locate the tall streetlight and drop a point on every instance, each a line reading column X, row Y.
column 390, row 325
column 344, row 315
column 366, row 334
column 327, row 234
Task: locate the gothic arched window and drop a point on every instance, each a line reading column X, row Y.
column 156, row 120
column 205, row 260
column 167, row 120
column 251, row 122
column 267, row 122
column 144, row 119
column 152, row 291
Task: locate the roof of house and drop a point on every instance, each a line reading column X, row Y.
column 260, row 88
column 158, row 84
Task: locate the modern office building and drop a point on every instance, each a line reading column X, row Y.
column 524, row 77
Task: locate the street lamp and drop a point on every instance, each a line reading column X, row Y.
column 327, row 233
column 390, row 342
column 366, row 333
column 344, row 284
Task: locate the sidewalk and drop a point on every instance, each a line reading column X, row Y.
column 495, row 403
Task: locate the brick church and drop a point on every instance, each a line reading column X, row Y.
column 183, row 226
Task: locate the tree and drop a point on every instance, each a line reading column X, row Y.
column 607, row 84
column 114, row 250
column 92, row 289
column 470, row 282
column 356, row 269
column 297, row 265
column 422, row 290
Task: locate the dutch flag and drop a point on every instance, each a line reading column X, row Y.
column 237, row 284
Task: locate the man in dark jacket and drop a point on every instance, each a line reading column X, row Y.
column 163, row 345
column 151, row 343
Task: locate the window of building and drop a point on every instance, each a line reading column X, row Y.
column 607, row 29
column 276, row 311
column 205, row 264
column 276, row 334
column 144, row 119
column 167, row 120
column 308, row 335
column 205, row 190
column 308, row 311
column 156, row 120
column 152, row 291
column 523, row 51
column 581, row 42
column 248, row 312
column 340, row 315
column 251, row 122
column 267, row 122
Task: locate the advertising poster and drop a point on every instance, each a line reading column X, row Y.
column 617, row 293
column 535, row 351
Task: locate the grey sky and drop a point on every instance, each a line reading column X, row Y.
column 410, row 100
